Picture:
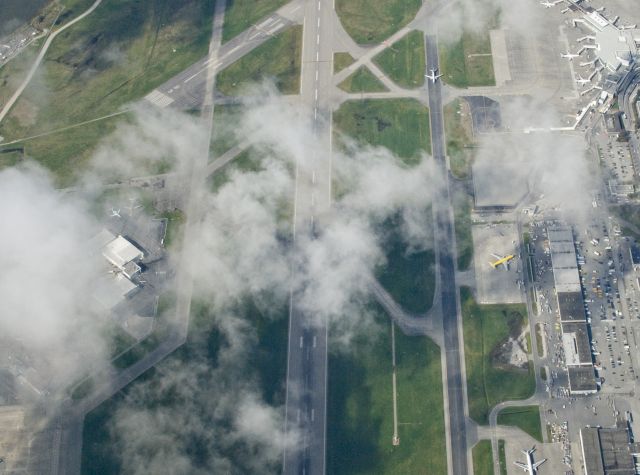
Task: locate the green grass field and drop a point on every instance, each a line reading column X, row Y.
column 341, row 61
column 175, row 222
column 360, row 408
column 404, row 60
column 482, row 458
column 408, row 277
column 462, row 225
column 539, row 345
column 241, row 14
column 372, row 21
column 502, row 457
column 247, row 161
column 277, row 59
column 631, row 214
column 83, row 389
column 11, row 156
column 401, row 125
column 114, row 56
column 468, row 61
column 266, row 366
column 459, row 134
column 489, row 382
column 66, row 153
column 526, row 418
column 226, row 119
column 362, row 80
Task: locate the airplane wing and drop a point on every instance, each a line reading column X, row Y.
column 537, row 464
column 521, row 465
column 497, row 256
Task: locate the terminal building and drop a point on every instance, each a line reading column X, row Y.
column 570, row 303
column 616, row 47
column 608, row 450
column 488, row 193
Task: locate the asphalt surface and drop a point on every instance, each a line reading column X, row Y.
column 446, row 267
column 186, row 90
column 305, row 410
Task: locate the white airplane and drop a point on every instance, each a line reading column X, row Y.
column 548, row 4
column 115, row 212
column 530, row 467
column 583, row 81
column 569, row 56
column 433, row 76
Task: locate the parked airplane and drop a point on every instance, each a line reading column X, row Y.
column 501, row 261
column 433, row 76
column 583, row 81
column 548, row 4
column 115, row 212
column 569, row 56
column 530, row 467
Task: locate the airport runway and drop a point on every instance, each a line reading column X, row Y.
column 305, row 410
column 446, row 267
column 186, row 90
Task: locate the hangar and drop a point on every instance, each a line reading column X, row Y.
column 122, row 257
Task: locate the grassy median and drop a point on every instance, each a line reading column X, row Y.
column 278, row 59
column 468, row 61
column 242, row 14
column 404, row 60
column 401, row 125
column 490, row 380
column 204, row 351
column 360, row 415
column 482, row 458
column 462, row 225
column 459, row 133
column 526, row 418
column 341, row 61
column 372, row 21
column 362, row 80
column 408, row 275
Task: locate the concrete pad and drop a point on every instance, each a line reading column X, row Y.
column 500, row 57
column 552, row 452
column 499, row 285
column 13, row 440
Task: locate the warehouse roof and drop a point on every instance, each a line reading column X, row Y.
column 120, row 252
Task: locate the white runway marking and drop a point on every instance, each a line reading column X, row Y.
column 158, row 98
column 265, row 23
column 202, row 70
column 276, row 27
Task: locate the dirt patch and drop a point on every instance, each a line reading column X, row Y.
column 25, row 112
column 512, row 352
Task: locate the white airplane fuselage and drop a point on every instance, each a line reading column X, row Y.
column 531, row 467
